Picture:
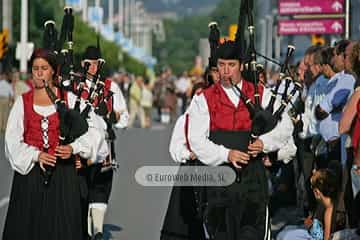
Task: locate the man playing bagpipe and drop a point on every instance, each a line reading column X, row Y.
column 111, row 107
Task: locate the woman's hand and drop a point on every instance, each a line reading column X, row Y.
column 63, row 151
column 255, row 148
column 46, row 159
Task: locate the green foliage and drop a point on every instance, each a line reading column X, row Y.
column 182, row 37
column 41, row 11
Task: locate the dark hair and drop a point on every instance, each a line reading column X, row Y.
column 46, row 54
column 197, row 86
column 327, row 55
column 312, row 49
column 328, row 180
column 341, row 46
column 355, row 59
column 146, row 80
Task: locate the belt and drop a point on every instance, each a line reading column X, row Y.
column 332, row 143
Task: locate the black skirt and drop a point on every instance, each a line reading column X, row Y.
column 234, row 212
column 42, row 212
column 182, row 219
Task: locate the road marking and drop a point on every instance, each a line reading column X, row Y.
column 4, row 201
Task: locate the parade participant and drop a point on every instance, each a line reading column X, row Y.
column 180, row 218
column 101, row 175
column 219, row 127
column 42, row 211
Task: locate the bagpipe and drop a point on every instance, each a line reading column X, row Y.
column 264, row 119
column 87, row 88
column 73, row 124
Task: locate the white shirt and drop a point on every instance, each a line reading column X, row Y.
column 22, row 157
column 177, row 148
column 315, row 94
column 6, row 90
column 97, row 129
column 288, row 152
column 213, row 154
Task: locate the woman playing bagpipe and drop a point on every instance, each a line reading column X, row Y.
column 40, row 141
column 91, row 94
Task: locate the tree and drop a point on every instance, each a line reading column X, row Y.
column 41, row 11
column 181, row 45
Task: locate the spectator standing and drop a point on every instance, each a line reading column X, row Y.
column 146, row 103
column 135, row 102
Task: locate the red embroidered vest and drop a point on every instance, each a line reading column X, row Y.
column 224, row 115
column 32, row 125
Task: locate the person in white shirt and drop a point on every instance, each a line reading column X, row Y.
column 39, row 211
column 100, row 184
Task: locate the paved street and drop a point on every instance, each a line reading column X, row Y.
column 135, row 212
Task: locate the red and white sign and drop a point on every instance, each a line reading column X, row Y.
column 287, row 7
column 316, row 26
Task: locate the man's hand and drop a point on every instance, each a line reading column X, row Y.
column 266, row 161
column 308, row 221
column 255, row 148
column 63, row 151
column 192, row 156
column 46, row 159
column 237, row 157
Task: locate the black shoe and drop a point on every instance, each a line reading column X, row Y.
column 98, row 236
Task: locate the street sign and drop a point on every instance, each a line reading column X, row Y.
column 287, row 7
column 316, row 26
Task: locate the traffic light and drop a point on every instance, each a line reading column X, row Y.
column 318, row 39
column 4, row 36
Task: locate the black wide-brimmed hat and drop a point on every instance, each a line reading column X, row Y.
column 91, row 53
